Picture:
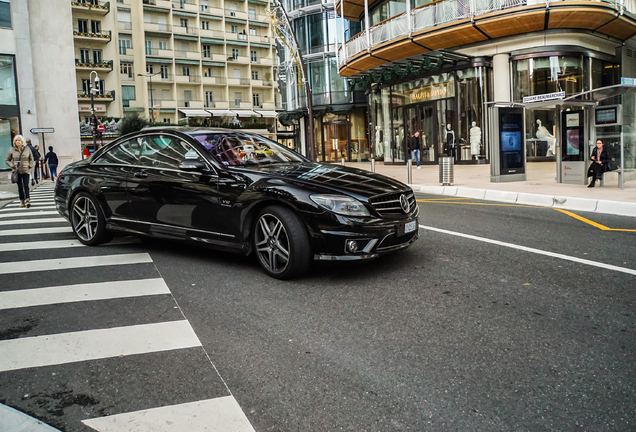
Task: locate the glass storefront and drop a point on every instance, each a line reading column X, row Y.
column 342, row 136
column 9, row 121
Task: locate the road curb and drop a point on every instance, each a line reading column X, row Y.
column 12, row 420
column 618, row 208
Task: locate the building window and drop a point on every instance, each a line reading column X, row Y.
column 148, row 47
column 252, row 31
column 124, row 44
column 186, row 70
column 204, row 5
column 235, row 53
column 209, row 99
column 256, row 100
column 238, row 96
column 205, row 25
column 97, row 57
column 164, row 72
column 251, row 13
column 166, row 120
column 206, row 51
column 82, row 26
column 234, row 29
column 184, row 22
column 207, row 72
column 150, row 69
column 254, row 75
column 126, row 69
column 85, row 56
column 163, row 45
column 96, row 27
column 5, row 14
column 127, row 94
column 253, row 57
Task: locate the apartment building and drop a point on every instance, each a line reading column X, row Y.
column 37, row 88
column 204, row 61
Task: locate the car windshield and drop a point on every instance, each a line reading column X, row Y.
column 236, row 149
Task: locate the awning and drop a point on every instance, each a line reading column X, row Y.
column 267, row 114
column 194, row 112
column 245, row 113
column 221, row 113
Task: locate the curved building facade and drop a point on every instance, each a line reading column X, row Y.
column 435, row 67
column 340, row 115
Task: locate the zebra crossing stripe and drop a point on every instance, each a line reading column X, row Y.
column 32, row 221
column 41, row 205
column 25, row 210
column 34, row 231
column 222, row 414
column 82, row 292
column 19, row 214
column 47, row 350
column 76, row 262
column 35, row 245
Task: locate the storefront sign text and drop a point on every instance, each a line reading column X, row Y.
column 87, row 108
column 438, row 91
column 544, row 97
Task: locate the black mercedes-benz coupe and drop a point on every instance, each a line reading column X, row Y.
column 238, row 192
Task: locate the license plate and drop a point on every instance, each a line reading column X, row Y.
column 410, row 227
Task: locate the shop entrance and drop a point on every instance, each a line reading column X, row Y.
column 337, row 141
column 423, row 118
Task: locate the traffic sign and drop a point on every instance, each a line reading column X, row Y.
column 42, row 130
column 100, row 128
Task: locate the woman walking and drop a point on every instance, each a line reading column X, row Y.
column 600, row 158
column 20, row 159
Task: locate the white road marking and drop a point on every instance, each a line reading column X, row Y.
column 536, row 251
column 34, row 231
column 32, row 221
column 222, row 414
column 19, row 214
column 35, row 245
column 86, row 345
column 82, row 292
column 48, row 203
column 76, row 262
column 26, row 210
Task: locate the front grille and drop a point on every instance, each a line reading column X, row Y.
column 392, row 241
column 389, row 205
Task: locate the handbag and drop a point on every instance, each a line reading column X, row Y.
column 611, row 166
column 14, row 174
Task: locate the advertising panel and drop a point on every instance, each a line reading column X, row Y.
column 511, row 139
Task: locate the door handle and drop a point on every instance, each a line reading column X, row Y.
column 141, row 174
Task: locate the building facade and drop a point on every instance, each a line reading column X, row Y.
column 435, row 67
column 33, row 93
column 175, row 61
column 340, row 114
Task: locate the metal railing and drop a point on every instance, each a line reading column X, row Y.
column 91, row 34
column 440, row 13
column 216, row 79
column 190, row 78
column 163, row 27
column 93, row 4
column 89, row 64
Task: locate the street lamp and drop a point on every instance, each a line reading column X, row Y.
column 152, row 105
column 93, row 90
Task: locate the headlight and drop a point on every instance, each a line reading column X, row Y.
column 340, row 204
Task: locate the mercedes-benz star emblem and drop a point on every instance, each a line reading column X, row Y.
column 404, row 203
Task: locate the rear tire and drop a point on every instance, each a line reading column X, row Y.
column 88, row 221
column 281, row 243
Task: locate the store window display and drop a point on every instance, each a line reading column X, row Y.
column 475, row 140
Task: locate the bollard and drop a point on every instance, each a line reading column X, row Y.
column 342, row 162
column 372, row 165
column 446, row 170
column 409, row 171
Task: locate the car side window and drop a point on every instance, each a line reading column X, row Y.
column 125, row 153
column 163, row 151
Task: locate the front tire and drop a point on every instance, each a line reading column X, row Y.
column 88, row 221
column 281, row 243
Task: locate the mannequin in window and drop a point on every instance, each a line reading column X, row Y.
column 544, row 135
column 450, row 141
column 475, row 140
column 379, row 150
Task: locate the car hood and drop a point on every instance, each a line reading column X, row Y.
column 351, row 181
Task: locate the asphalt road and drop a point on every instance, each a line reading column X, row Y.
column 455, row 333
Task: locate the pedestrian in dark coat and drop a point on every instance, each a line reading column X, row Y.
column 51, row 158
column 414, row 146
column 36, row 160
column 600, row 160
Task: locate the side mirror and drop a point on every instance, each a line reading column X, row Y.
column 193, row 165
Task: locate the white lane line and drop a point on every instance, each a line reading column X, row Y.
column 82, row 292
column 86, row 345
column 32, row 221
column 18, row 213
column 536, row 251
column 26, row 210
column 35, row 245
column 222, row 414
column 34, row 231
column 48, row 203
column 76, row 262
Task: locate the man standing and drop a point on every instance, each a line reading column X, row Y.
column 52, row 160
column 36, row 158
column 415, row 146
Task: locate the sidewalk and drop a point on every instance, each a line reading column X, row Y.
column 540, row 188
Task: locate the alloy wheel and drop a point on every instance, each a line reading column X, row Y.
column 272, row 243
column 85, row 219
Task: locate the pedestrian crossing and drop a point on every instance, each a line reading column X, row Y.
column 108, row 324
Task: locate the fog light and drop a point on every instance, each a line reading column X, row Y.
column 352, row 246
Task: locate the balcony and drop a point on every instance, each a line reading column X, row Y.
column 262, row 83
column 214, row 33
column 235, row 14
column 239, row 59
column 262, row 61
column 178, row 30
column 105, row 65
column 239, row 82
column 124, row 25
column 107, row 96
column 103, row 36
column 92, row 5
column 189, row 104
column 187, row 79
column 159, row 3
column 218, row 57
column 236, row 36
column 156, row 52
column 214, row 80
column 212, row 8
column 193, row 55
column 185, row 5
column 157, row 27
column 259, row 39
column 451, row 23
